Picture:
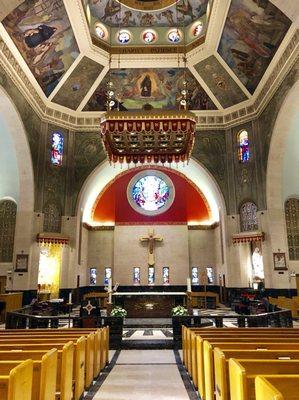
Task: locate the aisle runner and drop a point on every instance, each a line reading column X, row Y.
column 145, row 375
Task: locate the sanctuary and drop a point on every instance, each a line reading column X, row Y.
column 149, row 198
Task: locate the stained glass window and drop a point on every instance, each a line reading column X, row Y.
column 150, row 193
column 8, row 212
column 151, row 275
column 243, row 146
column 248, row 217
column 292, row 222
column 194, row 276
column 210, row 275
column 57, row 148
column 136, row 276
column 165, row 275
column 108, row 275
column 93, row 276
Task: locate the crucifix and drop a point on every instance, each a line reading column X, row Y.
column 151, row 239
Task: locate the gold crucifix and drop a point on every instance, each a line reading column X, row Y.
column 151, row 239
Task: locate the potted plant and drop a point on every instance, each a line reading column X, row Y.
column 118, row 312
column 179, row 311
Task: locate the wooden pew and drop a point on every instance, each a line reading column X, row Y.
column 242, row 374
column 196, row 361
column 221, row 358
column 16, row 380
column 204, row 359
column 79, row 359
column 277, row 387
column 44, row 339
column 64, row 368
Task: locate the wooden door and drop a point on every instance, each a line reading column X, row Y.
column 297, row 283
column 2, row 284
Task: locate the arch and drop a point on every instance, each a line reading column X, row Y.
column 12, row 124
column 194, row 171
column 285, row 124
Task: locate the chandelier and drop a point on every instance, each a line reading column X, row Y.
column 149, row 135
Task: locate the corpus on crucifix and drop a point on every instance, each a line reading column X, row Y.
column 151, row 239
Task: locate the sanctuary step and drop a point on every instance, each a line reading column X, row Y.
column 147, row 323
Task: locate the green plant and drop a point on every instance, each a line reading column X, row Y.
column 118, row 312
column 179, row 311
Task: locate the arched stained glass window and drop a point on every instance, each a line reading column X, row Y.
column 243, row 143
column 292, row 222
column 248, row 217
column 8, row 212
column 57, row 148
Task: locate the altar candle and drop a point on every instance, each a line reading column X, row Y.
column 70, row 297
column 110, row 290
column 189, row 285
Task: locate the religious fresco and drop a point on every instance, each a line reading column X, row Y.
column 220, row 82
column 42, row 32
column 253, row 31
column 78, row 83
column 110, row 12
column 143, row 88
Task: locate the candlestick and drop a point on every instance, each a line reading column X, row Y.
column 110, row 290
column 70, row 297
column 189, row 285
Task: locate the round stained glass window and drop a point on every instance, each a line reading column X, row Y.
column 124, row 36
column 149, row 36
column 197, row 29
column 150, row 192
column 174, row 36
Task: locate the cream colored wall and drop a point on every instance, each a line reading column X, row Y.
column 173, row 252
column 100, row 253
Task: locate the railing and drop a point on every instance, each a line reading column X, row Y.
column 277, row 319
column 22, row 319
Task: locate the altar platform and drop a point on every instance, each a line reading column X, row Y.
column 149, row 304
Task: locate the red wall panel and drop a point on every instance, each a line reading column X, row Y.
column 112, row 204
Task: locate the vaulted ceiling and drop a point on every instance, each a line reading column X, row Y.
column 68, row 49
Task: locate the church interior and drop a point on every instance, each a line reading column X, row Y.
column 149, row 199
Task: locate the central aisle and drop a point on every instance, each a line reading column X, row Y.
column 145, row 375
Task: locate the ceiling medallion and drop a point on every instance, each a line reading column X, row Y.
column 148, row 136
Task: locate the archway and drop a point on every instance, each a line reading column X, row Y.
column 16, row 183
column 195, row 173
column 281, row 184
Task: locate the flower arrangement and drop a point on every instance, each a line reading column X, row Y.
column 179, row 311
column 118, row 312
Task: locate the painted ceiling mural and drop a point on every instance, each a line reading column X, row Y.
column 253, row 31
column 75, row 88
column 220, row 82
column 42, row 32
column 142, row 88
column 114, row 14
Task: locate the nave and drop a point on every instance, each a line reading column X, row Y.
column 144, row 375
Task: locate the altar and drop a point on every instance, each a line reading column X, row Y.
column 149, row 304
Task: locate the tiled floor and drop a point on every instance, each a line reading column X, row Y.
column 144, row 375
column 147, row 334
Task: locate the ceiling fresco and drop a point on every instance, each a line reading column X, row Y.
column 141, row 88
column 253, row 31
column 78, row 84
column 42, row 32
column 220, row 82
column 112, row 13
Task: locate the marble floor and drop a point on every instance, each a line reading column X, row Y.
column 145, row 375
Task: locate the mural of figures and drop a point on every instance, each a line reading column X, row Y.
column 147, row 89
column 42, row 32
column 252, row 34
column 108, row 12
